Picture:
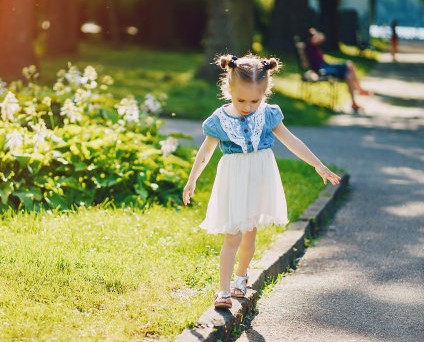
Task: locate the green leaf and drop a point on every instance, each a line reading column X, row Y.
column 55, row 201
column 28, row 196
column 23, row 159
column 6, row 189
column 80, row 166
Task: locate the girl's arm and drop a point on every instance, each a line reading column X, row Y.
column 295, row 145
column 202, row 159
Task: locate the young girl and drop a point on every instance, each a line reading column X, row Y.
column 247, row 193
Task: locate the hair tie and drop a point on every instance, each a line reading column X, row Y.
column 232, row 63
column 266, row 65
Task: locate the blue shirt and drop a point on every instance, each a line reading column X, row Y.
column 244, row 134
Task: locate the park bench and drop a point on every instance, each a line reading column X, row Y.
column 309, row 77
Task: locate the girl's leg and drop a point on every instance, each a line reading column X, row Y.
column 246, row 251
column 226, row 261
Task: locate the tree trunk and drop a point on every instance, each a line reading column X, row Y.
column 229, row 30
column 63, row 33
column 330, row 23
column 163, row 30
column 113, row 22
column 17, row 34
column 289, row 18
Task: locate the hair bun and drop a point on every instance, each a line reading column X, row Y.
column 273, row 64
column 227, row 61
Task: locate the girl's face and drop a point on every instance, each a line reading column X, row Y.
column 246, row 97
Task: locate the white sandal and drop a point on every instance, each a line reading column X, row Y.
column 239, row 286
column 223, row 300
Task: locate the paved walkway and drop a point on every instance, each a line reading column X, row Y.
column 363, row 280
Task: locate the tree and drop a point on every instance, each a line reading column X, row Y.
column 63, row 33
column 229, row 30
column 289, row 18
column 329, row 23
column 17, row 33
column 158, row 26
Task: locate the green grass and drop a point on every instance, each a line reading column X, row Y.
column 138, row 70
column 119, row 274
column 125, row 274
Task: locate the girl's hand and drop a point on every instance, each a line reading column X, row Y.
column 326, row 174
column 188, row 192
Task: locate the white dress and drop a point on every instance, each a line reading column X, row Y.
column 247, row 191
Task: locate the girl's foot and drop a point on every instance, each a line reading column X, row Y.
column 223, row 300
column 239, row 286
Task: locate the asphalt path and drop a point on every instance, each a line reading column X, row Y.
column 363, row 279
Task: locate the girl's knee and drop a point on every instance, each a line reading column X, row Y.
column 249, row 237
column 232, row 241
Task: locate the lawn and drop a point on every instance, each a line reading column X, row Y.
column 139, row 70
column 106, row 273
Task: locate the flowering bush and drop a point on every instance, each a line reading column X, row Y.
column 75, row 144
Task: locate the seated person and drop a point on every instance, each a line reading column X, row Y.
column 344, row 71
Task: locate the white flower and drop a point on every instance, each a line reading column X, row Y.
column 149, row 120
column 9, row 107
column 169, row 145
column 41, row 133
column 151, row 104
column 30, row 73
column 30, row 108
column 154, row 186
column 47, row 101
column 73, row 76
column 14, row 140
column 108, row 80
column 89, row 77
column 56, row 139
column 90, row 73
column 59, row 88
column 82, row 96
column 61, row 73
column 71, row 111
column 3, row 87
column 128, row 109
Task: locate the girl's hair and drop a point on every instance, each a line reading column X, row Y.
column 249, row 68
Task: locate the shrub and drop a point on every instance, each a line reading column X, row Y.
column 75, row 144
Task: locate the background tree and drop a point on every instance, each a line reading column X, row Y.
column 63, row 33
column 17, row 35
column 157, row 21
column 289, row 18
column 229, row 30
column 107, row 14
column 329, row 23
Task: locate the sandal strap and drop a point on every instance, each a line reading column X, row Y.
column 222, row 295
column 240, row 283
column 240, row 280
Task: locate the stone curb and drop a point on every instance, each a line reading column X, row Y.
column 217, row 325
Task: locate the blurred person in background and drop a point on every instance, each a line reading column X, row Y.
column 344, row 71
column 394, row 39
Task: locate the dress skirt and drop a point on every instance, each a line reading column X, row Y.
column 247, row 194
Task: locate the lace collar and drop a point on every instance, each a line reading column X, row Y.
column 232, row 127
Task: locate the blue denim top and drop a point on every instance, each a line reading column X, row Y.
column 244, row 134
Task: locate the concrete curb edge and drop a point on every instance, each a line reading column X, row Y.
column 217, row 325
